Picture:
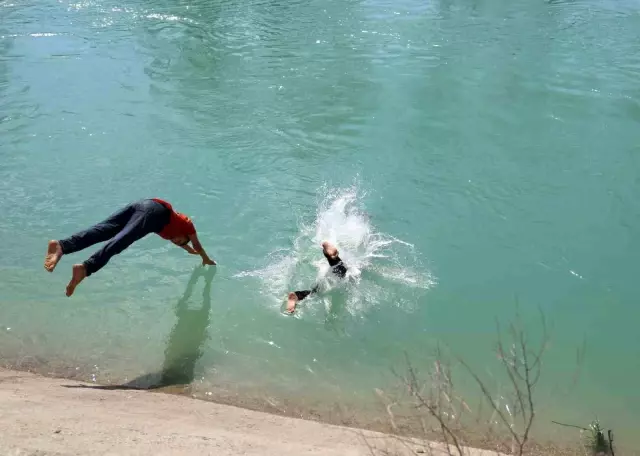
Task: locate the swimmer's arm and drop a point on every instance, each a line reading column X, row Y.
column 197, row 247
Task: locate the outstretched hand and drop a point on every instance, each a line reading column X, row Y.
column 208, row 262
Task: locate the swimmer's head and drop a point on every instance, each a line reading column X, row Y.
column 180, row 241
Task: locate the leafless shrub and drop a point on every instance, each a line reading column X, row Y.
column 504, row 418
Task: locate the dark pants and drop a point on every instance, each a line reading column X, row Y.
column 304, row 293
column 122, row 229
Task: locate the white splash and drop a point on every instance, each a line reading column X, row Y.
column 381, row 268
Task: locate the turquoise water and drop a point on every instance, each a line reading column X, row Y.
column 464, row 156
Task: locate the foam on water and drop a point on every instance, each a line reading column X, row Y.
column 378, row 263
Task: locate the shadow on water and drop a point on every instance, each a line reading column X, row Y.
column 336, row 311
column 184, row 344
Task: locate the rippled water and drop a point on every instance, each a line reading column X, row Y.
column 496, row 144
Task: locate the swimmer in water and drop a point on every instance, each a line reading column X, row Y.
column 122, row 229
column 337, row 268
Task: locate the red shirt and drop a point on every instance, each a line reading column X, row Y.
column 179, row 224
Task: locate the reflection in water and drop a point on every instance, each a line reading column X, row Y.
column 184, row 347
column 184, row 344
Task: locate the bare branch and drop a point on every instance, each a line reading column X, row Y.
column 489, row 398
column 529, row 386
column 447, row 432
column 570, row 425
column 441, row 410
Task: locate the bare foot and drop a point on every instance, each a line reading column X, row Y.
column 54, row 253
column 291, row 303
column 78, row 275
column 329, row 249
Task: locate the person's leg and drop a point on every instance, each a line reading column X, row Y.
column 100, row 232
column 302, row 294
column 148, row 217
column 297, row 296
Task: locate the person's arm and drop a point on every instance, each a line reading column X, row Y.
column 188, row 248
column 197, row 247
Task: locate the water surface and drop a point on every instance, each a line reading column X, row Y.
column 468, row 156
